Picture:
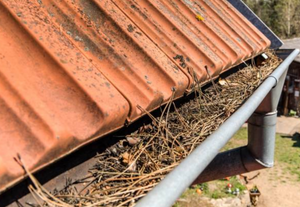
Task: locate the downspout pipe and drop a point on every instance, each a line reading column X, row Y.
column 258, row 154
column 175, row 183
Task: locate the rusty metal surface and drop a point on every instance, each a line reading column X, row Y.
column 74, row 70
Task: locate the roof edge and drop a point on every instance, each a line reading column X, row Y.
column 257, row 22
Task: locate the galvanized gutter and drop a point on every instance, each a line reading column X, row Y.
column 169, row 189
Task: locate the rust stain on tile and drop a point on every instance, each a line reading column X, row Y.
column 74, row 70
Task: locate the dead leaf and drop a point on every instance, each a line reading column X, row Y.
column 132, row 167
column 222, row 82
column 133, row 140
column 126, row 157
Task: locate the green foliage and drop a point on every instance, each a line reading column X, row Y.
column 288, row 153
column 218, row 194
column 204, row 187
column 237, row 184
column 282, row 16
column 220, row 188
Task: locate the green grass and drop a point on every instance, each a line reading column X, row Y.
column 238, row 140
column 220, row 188
column 192, row 191
column 288, row 154
column 214, row 189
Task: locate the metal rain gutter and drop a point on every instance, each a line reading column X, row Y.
column 258, row 153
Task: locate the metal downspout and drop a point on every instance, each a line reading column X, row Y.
column 174, row 184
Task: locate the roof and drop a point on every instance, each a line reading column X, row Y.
column 73, row 71
column 292, row 44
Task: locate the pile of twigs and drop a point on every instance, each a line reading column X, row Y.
column 128, row 170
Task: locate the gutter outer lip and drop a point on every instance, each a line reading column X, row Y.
column 175, row 183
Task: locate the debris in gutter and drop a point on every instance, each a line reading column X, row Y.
column 128, row 170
